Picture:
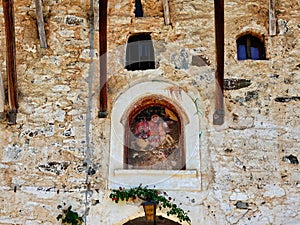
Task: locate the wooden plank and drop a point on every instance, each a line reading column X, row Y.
column 218, row 117
column 103, row 57
column 40, row 23
column 272, row 18
column 2, row 94
column 166, row 11
column 8, row 10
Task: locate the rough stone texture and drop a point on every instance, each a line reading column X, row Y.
column 58, row 153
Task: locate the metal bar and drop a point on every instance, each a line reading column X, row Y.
column 40, row 23
column 8, row 9
column 218, row 117
column 103, row 57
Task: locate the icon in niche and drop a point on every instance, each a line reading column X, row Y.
column 154, row 139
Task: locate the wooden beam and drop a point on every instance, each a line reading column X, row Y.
column 40, row 23
column 103, row 57
column 2, row 94
column 166, row 11
column 218, row 117
column 8, row 10
column 272, row 17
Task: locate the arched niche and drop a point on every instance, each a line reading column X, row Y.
column 181, row 105
column 154, row 134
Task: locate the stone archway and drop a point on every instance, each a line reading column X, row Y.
column 160, row 220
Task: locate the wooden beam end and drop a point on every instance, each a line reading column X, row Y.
column 218, row 117
column 12, row 117
column 102, row 114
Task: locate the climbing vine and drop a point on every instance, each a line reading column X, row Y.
column 144, row 193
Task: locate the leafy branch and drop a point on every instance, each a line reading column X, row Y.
column 70, row 217
column 161, row 198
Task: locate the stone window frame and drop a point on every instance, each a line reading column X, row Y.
column 188, row 179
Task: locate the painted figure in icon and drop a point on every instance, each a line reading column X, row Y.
column 154, row 138
column 157, row 131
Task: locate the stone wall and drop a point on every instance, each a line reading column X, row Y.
column 58, row 153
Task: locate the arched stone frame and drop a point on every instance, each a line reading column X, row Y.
column 188, row 179
column 139, row 213
column 159, row 220
column 171, row 157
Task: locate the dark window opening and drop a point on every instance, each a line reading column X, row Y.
column 154, row 137
column 138, row 8
column 250, row 47
column 140, row 53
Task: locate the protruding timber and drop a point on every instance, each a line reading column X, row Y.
column 103, row 57
column 218, row 117
column 166, row 11
column 40, row 23
column 8, row 9
column 272, row 18
column 2, row 94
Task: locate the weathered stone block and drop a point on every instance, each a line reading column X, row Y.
column 181, row 60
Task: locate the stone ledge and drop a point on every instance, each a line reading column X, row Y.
column 181, row 173
column 177, row 180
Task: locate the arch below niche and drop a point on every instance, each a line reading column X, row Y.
column 186, row 179
column 160, row 220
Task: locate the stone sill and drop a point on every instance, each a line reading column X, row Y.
column 180, row 173
column 181, row 180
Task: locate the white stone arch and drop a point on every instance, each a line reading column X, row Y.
column 188, row 179
column 141, row 213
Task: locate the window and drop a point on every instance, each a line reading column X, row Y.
column 138, row 8
column 250, row 47
column 140, row 53
column 154, row 138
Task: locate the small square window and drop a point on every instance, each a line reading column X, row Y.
column 250, row 47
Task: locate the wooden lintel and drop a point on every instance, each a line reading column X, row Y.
column 166, row 11
column 103, row 57
column 218, row 117
column 8, row 10
column 272, row 17
column 40, row 23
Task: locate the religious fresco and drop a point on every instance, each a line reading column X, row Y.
column 154, row 140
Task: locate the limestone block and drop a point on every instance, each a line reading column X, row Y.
column 238, row 196
column 273, row 191
column 12, row 153
column 282, row 26
column 181, row 60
